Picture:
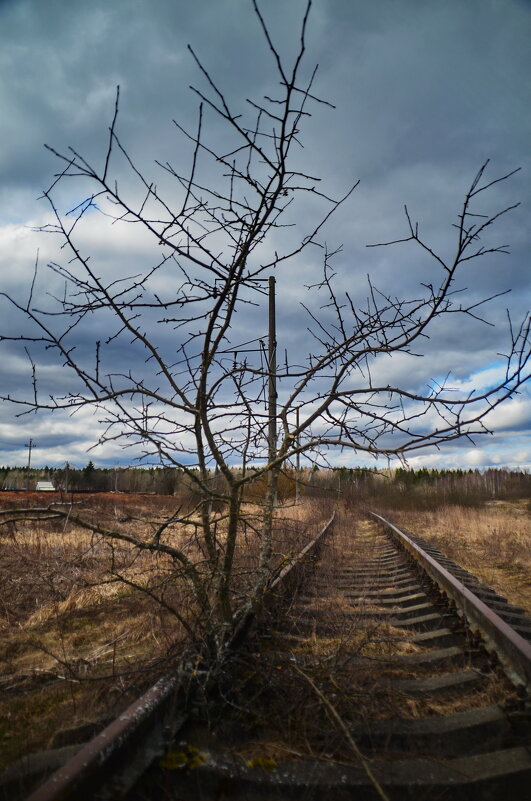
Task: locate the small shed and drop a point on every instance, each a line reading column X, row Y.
column 44, row 486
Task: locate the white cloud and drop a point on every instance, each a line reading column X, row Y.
column 513, row 415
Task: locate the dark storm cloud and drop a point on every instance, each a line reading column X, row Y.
column 425, row 92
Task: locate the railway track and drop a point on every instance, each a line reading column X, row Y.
column 373, row 685
column 392, row 674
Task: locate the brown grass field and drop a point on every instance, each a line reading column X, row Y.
column 81, row 630
column 81, row 634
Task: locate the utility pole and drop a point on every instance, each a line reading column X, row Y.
column 272, row 382
column 29, row 446
column 297, row 460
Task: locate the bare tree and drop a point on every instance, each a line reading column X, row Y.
column 193, row 395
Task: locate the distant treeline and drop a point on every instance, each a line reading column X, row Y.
column 162, row 481
column 424, row 488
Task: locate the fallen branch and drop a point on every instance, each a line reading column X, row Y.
column 336, row 717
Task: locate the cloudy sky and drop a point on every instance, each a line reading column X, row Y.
column 424, row 92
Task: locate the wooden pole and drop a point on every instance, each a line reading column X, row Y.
column 297, row 460
column 272, row 378
column 30, row 446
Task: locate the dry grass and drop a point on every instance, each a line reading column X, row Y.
column 79, row 635
column 76, row 642
column 493, row 542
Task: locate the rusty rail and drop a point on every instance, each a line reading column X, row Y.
column 287, row 579
column 127, row 746
column 513, row 651
column 296, row 563
column 122, row 741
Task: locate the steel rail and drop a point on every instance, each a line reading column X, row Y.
column 298, row 560
column 513, row 651
column 131, row 742
column 287, row 577
column 146, row 718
